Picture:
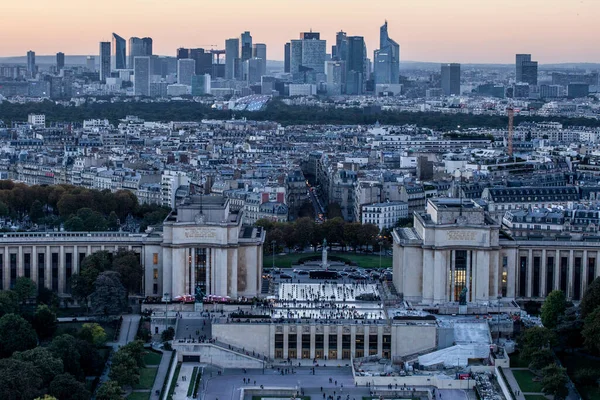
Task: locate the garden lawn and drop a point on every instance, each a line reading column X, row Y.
column 147, row 376
column 525, row 380
column 152, row 358
column 139, row 396
column 362, row 260
column 516, row 362
column 535, row 397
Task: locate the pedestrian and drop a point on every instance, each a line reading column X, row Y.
column 321, row 388
column 335, row 383
column 255, row 382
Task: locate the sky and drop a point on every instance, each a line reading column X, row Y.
column 466, row 31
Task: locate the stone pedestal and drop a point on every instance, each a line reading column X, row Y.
column 462, row 309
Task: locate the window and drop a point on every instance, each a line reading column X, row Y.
column 155, row 273
column 155, row 258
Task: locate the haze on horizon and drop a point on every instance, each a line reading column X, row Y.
column 466, row 31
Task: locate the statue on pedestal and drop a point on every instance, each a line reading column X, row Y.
column 462, row 299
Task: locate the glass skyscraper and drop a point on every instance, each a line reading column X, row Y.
column 387, row 59
column 104, row 61
column 118, row 56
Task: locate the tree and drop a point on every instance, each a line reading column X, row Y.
column 541, row 358
column 82, row 284
column 90, row 360
column 24, row 288
column 591, row 298
column 124, row 369
column 93, row 333
column 554, row 306
column 48, row 297
column 534, row 339
column 66, row 387
column 19, row 380
column 304, row 231
column 36, row 212
column 109, row 296
column 127, row 264
column 3, row 209
column 65, row 348
column 113, row 221
column 136, row 350
column 127, row 202
column 74, row 224
column 46, row 364
column 46, row 397
column 554, row 381
column 334, row 211
column 16, row 334
column 591, row 330
column 110, row 390
column 44, row 321
column 167, row 334
column 9, row 302
column 568, row 329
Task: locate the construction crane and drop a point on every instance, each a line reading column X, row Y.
column 511, row 117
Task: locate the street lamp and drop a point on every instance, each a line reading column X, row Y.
column 273, row 243
column 166, row 299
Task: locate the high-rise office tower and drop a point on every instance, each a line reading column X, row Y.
column 451, row 79
column 287, row 49
column 295, row 56
column 203, row 59
column 118, row 57
column 336, row 77
column 387, row 58
column 529, row 72
column 519, row 59
column 183, row 53
column 259, row 51
column 232, row 51
column 138, row 47
column 141, row 74
column 341, row 51
column 90, row 63
column 104, row 61
column 186, row 68
column 245, row 46
column 310, row 35
column 252, row 69
column 60, row 61
column 313, row 55
column 31, row 68
column 201, row 85
column 355, row 64
column 307, row 57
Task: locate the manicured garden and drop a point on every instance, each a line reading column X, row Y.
column 147, row 376
column 361, row 260
column 139, row 396
column 535, row 397
column 526, row 382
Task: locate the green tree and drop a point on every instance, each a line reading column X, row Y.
column 82, row 284
column 90, row 360
column 74, row 224
column 3, row 209
column 110, row 390
column 591, row 330
column 591, row 298
column 46, row 397
column 167, row 334
column 127, row 202
column 48, row 297
column 351, row 233
column 113, row 221
column 44, row 321
column 554, row 306
column 109, row 296
column 9, row 302
column 136, row 350
column 46, row 364
column 19, row 380
column 24, row 288
column 534, row 339
column 304, row 231
column 93, row 333
column 124, row 369
column 334, row 211
column 554, row 381
column 541, row 358
column 64, row 347
column 36, row 212
column 66, row 387
column 16, row 334
column 127, row 264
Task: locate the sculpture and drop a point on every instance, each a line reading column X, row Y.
column 462, row 299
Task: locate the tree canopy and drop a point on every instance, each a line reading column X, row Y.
column 66, row 387
column 591, row 331
column 591, row 298
column 19, row 380
column 16, row 334
column 554, row 306
column 109, row 296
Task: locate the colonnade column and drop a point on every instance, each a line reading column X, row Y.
column 286, row 341
column 75, row 260
column 313, row 342
column 48, row 268
column 529, row 274
column 468, row 281
column 193, row 272
column 6, row 270
column 452, row 275
column 496, row 278
column 339, row 342
column 556, row 270
column 511, row 269
column 20, row 263
column 33, row 262
column 62, row 273
column 543, row 274
column 570, row 275
column 584, row 268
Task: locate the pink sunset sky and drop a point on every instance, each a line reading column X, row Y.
column 486, row 31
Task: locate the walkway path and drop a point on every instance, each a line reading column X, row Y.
column 512, row 383
column 161, row 375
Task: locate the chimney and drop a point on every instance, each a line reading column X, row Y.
column 264, row 198
column 280, row 197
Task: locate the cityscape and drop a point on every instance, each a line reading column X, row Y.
column 323, row 220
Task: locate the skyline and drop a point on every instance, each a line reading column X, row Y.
column 552, row 31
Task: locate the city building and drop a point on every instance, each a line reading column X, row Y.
column 336, row 77
column 287, row 57
column 232, row 51
column 141, row 73
column 450, row 79
column 105, row 62
column 339, row 52
column 90, row 63
column 201, row 85
column 386, row 59
column 384, row 215
column 60, row 61
column 186, row 68
column 171, row 181
column 302, row 89
column 245, row 46
column 31, row 67
column 118, row 57
column 259, row 50
column 456, row 250
column 355, row 65
column 526, row 70
column 307, row 58
column 138, row 47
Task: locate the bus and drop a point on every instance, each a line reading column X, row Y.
column 320, row 274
